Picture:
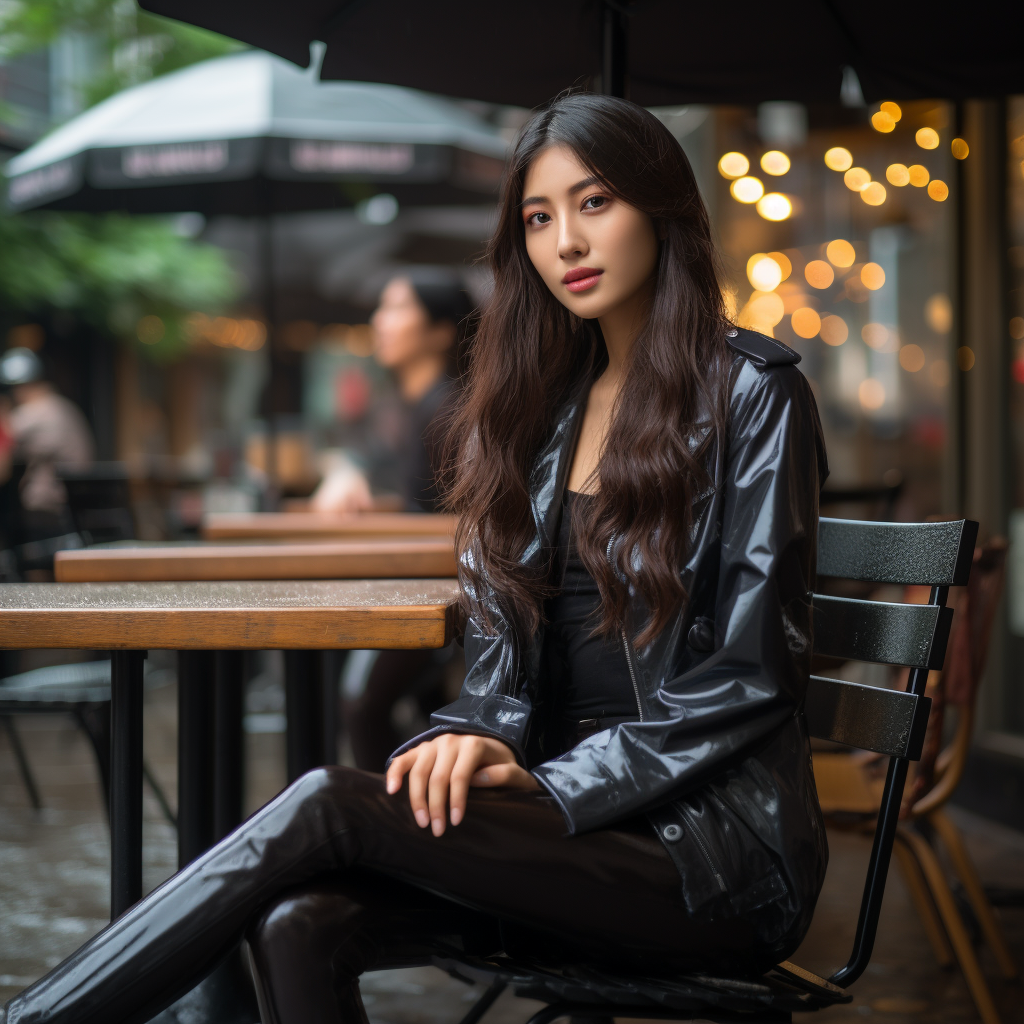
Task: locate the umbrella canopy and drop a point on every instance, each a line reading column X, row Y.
column 251, row 134
column 669, row 51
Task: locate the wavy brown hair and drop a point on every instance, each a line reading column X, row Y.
column 530, row 356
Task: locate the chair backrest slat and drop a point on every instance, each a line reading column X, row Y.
column 929, row 554
column 892, row 634
column 868, row 717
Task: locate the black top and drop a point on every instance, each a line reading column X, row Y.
column 597, row 682
column 420, row 454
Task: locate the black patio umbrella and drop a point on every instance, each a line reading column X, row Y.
column 657, row 51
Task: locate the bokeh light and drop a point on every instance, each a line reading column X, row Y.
column 876, row 336
column 856, row 178
column 919, row 176
column 775, row 162
column 938, row 190
column 871, row 393
column 819, row 274
column 892, row 109
column 882, row 121
column 774, row 206
column 838, row 159
column 840, row 253
column 897, row 174
column 959, row 149
column 965, row 358
column 834, row 330
column 733, row 165
column 747, row 189
column 763, row 272
column 766, row 308
column 938, row 313
column 805, row 322
column 912, row 358
column 872, row 276
column 927, row 138
column 784, row 262
column 873, row 193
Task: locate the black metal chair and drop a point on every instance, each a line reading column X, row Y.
column 81, row 690
column 100, row 501
column 871, row 718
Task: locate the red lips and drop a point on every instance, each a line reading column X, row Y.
column 581, row 278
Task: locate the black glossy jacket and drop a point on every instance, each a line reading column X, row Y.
column 719, row 758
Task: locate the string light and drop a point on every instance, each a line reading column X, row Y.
column 819, row 274
column 927, row 138
column 919, row 176
column 805, row 322
column 747, row 189
column 763, row 272
column 774, row 206
column 872, row 276
column 838, row 158
column 873, row 193
column 892, row 109
column 938, row 190
column 856, row 178
column 775, row 162
column 840, row 253
column 883, row 121
column 897, row 174
column 959, row 149
column 733, row 165
column 784, row 262
column 834, row 330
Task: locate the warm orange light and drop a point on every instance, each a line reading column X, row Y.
column 819, row 274
column 872, row 276
column 959, row 149
column 964, row 358
column 919, row 176
column 873, row 194
column 766, row 307
column 774, row 206
column 938, row 313
column 927, row 138
column 875, row 335
column 747, row 189
column 938, row 190
column 912, row 358
column 785, row 265
column 834, row 330
column 838, row 159
column 897, row 174
column 733, row 165
column 763, row 272
column 892, row 109
column 871, row 393
column 840, row 253
column 1017, row 328
column 883, row 121
column 805, row 322
column 775, row 162
column 856, row 178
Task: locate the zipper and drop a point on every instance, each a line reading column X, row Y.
column 699, row 836
column 632, row 674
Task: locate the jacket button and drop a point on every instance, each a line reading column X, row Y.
column 732, row 334
column 673, row 833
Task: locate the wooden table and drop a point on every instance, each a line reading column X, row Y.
column 305, row 525
column 130, row 618
column 364, row 558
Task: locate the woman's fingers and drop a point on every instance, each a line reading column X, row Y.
column 437, row 787
column 398, row 768
column 419, row 776
column 470, row 753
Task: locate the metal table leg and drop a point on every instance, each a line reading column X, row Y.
column 304, row 704
column 229, row 746
column 125, row 780
column 196, row 707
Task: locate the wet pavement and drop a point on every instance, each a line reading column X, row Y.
column 54, row 884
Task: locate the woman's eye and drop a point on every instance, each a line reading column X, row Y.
column 594, row 202
column 538, row 218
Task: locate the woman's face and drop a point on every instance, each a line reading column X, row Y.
column 402, row 330
column 593, row 251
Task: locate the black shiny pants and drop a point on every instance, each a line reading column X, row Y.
column 334, row 877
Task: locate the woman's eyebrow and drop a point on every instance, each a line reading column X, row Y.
column 572, row 190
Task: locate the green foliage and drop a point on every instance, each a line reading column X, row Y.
column 125, row 45
column 109, row 271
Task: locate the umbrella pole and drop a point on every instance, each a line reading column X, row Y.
column 613, row 63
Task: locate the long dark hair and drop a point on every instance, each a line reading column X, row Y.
column 531, row 355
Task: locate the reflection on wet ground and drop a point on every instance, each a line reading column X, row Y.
column 54, row 888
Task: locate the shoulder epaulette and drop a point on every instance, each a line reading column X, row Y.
column 760, row 349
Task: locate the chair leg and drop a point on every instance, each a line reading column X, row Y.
column 923, row 902
column 964, row 867
column 954, row 924
column 24, row 768
column 485, row 1002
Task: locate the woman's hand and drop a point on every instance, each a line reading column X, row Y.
column 441, row 771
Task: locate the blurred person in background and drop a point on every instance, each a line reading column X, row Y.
column 45, row 431
column 418, row 330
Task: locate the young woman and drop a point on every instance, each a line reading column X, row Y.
column 627, row 770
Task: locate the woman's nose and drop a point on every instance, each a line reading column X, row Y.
column 571, row 244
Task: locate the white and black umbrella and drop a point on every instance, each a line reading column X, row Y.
column 251, row 134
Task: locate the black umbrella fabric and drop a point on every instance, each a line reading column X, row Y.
column 671, row 51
